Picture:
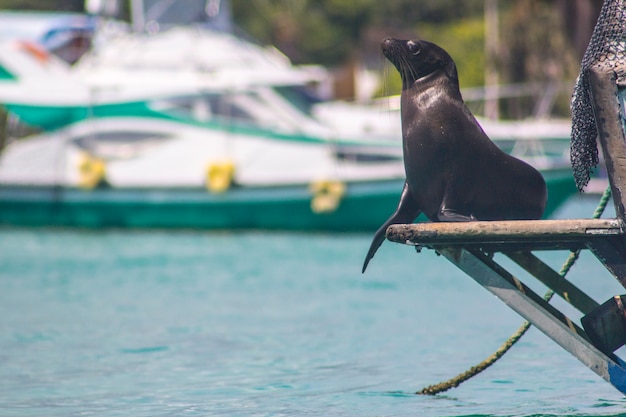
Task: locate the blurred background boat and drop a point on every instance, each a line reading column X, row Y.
column 181, row 123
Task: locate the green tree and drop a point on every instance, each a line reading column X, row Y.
column 535, row 48
column 464, row 40
column 308, row 31
column 328, row 32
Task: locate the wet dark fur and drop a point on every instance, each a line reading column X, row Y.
column 454, row 172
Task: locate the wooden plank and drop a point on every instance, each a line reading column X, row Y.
column 561, row 286
column 486, row 265
column 609, row 116
column 578, row 230
column 612, row 253
column 534, row 309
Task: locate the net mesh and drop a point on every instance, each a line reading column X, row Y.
column 607, row 46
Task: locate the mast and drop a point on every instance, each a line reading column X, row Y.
column 137, row 15
column 491, row 53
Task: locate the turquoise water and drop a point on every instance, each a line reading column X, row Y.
column 121, row 323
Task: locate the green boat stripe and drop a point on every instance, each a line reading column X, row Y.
column 54, row 117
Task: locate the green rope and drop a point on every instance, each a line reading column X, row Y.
column 475, row 370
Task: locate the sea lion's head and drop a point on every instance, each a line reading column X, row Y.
column 416, row 59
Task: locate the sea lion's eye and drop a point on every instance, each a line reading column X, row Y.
column 413, row 47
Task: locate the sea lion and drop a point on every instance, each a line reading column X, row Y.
column 454, row 172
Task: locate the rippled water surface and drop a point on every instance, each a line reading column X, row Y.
column 115, row 323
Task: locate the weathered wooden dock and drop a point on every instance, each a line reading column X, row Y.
column 470, row 246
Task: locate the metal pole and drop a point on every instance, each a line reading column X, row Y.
column 137, row 16
column 491, row 52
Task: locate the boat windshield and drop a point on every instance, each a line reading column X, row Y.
column 171, row 12
column 155, row 15
column 299, row 96
column 245, row 109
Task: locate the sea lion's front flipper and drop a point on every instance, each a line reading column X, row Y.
column 454, row 205
column 406, row 212
column 449, row 215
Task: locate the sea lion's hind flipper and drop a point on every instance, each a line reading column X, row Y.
column 406, row 212
column 379, row 237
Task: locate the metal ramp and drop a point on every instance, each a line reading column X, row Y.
column 470, row 247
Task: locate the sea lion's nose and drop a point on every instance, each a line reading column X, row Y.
column 387, row 44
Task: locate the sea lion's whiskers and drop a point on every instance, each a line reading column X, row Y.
column 385, row 86
column 404, row 68
column 413, row 74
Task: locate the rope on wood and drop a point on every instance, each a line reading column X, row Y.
column 475, row 370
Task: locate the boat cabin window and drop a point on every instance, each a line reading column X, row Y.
column 119, row 144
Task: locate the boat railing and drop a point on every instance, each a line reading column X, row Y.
column 541, row 96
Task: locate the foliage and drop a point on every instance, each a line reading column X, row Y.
column 408, row 13
column 328, row 31
column 465, row 42
column 308, row 31
column 463, row 39
column 533, row 44
column 534, row 48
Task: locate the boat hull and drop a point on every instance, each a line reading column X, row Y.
column 363, row 207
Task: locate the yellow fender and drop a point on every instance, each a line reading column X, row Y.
column 219, row 176
column 327, row 195
column 91, row 172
